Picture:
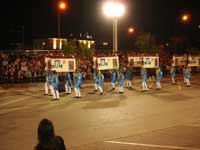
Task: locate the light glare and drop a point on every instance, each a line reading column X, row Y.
column 113, row 9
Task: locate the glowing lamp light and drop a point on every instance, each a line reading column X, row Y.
column 131, row 30
column 113, row 9
column 185, row 17
column 62, row 6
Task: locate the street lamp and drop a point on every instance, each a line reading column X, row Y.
column 131, row 30
column 115, row 10
column 185, row 17
column 61, row 7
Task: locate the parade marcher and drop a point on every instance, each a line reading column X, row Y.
column 113, row 78
column 121, row 82
column 78, row 82
column 159, row 75
column 95, row 79
column 56, row 95
column 129, row 77
column 188, row 74
column 184, row 74
column 173, row 74
column 48, row 83
column 68, row 84
column 100, row 82
column 144, row 79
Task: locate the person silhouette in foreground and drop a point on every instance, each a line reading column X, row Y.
column 47, row 140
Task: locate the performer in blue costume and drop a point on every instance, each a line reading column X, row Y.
column 159, row 75
column 56, row 95
column 48, row 83
column 113, row 78
column 68, row 84
column 78, row 82
column 184, row 74
column 188, row 74
column 129, row 77
column 121, row 82
column 95, row 79
column 173, row 74
column 143, row 75
column 100, row 82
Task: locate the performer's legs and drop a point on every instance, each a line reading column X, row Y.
column 46, row 88
column 95, row 87
column 66, row 88
column 57, row 94
column 113, row 85
column 51, row 89
column 145, row 85
column 100, row 89
column 79, row 92
column 76, row 92
column 173, row 80
column 54, row 94
column 69, row 89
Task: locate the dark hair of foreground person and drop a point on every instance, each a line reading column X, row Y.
column 47, row 140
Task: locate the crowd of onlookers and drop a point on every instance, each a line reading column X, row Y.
column 22, row 67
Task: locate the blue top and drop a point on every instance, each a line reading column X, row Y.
column 78, row 80
column 114, row 76
column 68, row 79
column 129, row 74
column 173, row 71
column 121, row 79
column 188, row 73
column 159, row 74
column 101, row 80
column 95, row 77
column 56, row 81
column 143, row 74
column 50, row 78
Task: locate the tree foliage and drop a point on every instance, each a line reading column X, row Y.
column 70, row 47
column 146, row 42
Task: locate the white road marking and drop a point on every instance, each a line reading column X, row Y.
column 14, row 101
column 192, row 125
column 152, row 145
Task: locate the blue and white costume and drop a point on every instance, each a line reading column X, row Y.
column 113, row 78
column 77, row 86
column 144, row 79
column 96, row 80
column 184, row 75
column 121, row 82
column 68, row 84
column 129, row 77
column 173, row 74
column 48, row 83
column 188, row 74
column 100, row 82
column 159, row 75
column 56, row 95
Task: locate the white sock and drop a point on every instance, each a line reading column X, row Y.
column 66, row 88
column 76, row 92
column 46, row 88
column 57, row 94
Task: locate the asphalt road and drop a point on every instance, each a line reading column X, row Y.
column 157, row 120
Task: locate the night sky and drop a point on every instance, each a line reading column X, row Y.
column 39, row 18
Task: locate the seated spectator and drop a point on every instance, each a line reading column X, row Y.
column 47, row 140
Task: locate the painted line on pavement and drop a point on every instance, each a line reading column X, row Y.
column 192, row 125
column 152, row 145
column 14, row 101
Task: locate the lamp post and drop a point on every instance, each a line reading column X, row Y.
column 61, row 7
column 114, row 10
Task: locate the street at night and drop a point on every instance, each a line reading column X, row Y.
column 156, row 120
